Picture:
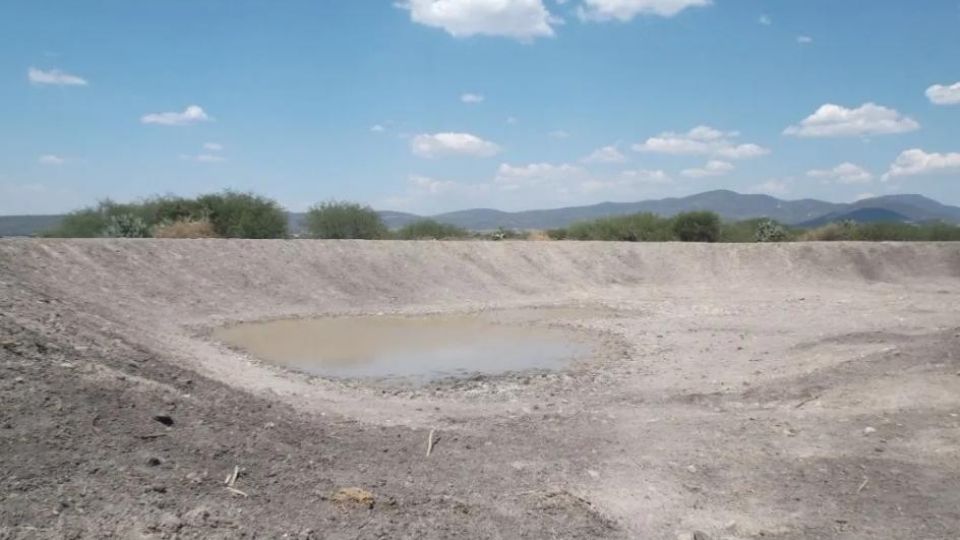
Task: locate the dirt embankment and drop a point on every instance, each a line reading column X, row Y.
column 746, row 391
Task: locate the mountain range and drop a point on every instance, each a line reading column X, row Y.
column 728, row 204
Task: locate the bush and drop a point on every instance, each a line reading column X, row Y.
column 244, row 215
column 126, row 226
column 185, row 228
column 644, row 227
column 430, row 229
column 344, row 220
column 769, row 230
column 231, row 214
column 697, row 227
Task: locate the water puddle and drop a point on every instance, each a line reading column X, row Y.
column 423, row 348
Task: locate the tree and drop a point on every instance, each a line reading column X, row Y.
column 344, row 220
column 244, row 215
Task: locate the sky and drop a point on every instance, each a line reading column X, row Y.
column 436, row 105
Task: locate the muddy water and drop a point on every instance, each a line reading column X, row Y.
column 416, row 348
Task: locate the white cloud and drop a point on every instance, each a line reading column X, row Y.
column 714, row 167
column 512, row 120
column 607, row 154
column 558, row 134
column 377, row 128
column 191, row 115
column 472, row 99
column 702, row 141
column 765, row 20
column 510, row 177
column 772, row 187
column 447, row 144
column 50, row 159
column 862, row 196
column 845, row 173
column 939, row 94
column 836, row 121
column 54, row 77
column 915, row 162
column 519, row 19
column 626, row 10
column 804, row 40
column 213, row 147
column 210, row 158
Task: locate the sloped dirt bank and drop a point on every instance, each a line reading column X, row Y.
column 794, row 391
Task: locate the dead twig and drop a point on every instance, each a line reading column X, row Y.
column 430, row 443
column 232, row 477
column 153, row 436
column 863, row 485
column 236, row 491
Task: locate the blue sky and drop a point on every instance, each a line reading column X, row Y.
column 435, row 105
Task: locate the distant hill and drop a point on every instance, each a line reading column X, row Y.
column 729, row 204
column 859, row 215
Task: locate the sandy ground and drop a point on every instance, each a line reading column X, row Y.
column 741, row 391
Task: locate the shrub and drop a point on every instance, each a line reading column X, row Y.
column 126, row 226
column 430, row 229
column 769, row 230
column 697, row 227
column 243, row 215
column 185, row 228
column 831, row 232
column 643, row 227
column 343, row 220
column 557, row 234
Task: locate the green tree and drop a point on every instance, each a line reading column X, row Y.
column 697, row 226
column 344, row 220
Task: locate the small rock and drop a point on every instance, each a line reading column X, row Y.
column 153, row 462
column 692, row 468
column 868, row 430
column 700, row 535
column 593, row 474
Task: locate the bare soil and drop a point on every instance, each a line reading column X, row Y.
column 756, row 391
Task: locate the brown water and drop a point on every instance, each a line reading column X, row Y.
column 419, row 348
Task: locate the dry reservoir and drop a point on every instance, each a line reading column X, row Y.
column 424, row 348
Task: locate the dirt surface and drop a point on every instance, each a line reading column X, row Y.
column 741, row 391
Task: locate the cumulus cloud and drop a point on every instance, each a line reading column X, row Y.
column 213, row 147
column 765, row 20
column 54, row 77
column 558, row 134
column 191, row 115
column 472, row 99
column 377, row 128
column 804, row 40
column 524, row 20
column 607, row 154
column 431, row 185
column 450, row 144
column 714, row 167
column 626, row 10
column 837, row 121
column 939, row 94
column 50, row 159
column 845, row 173
column 915, row 162
column 703, row 141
